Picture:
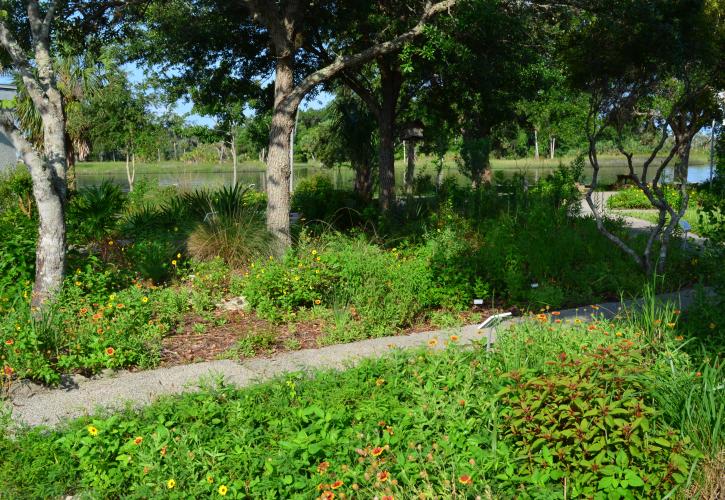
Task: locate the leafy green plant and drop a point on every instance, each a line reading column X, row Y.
column 586, row 420
column 94, row 212
column 238, row 238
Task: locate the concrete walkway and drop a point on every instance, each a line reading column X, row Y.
column 636, row 225
column 78, row 396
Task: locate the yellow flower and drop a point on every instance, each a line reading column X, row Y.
column 223, row 490
column 110, row 242
column 144, row 299
column 712, row 326
column 209, row 479
column 170, row 484
column 432, row 342
column 380, row 382
column 178, row 255
column 173, row 262
column 78, row 283
column 318, row 302
column 314, row 252
column 92, row 430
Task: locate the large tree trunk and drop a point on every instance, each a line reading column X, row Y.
column 390, row 81
column 278, row 159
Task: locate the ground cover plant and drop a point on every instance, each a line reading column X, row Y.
column 559, row 409
column 153, row 263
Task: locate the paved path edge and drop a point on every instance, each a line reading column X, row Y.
column 34, row 405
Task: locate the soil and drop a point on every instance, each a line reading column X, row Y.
column 220, row 341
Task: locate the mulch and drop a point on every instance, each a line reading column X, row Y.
column 219, row 341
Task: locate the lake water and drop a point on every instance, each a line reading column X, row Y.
column 188, row 178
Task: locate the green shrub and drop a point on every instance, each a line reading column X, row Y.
column 318, row 201
column 633, row 197
column 18, row 234
column 587, row 419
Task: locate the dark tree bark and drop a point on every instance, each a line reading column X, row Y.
column 282, row 23
column 391, row 80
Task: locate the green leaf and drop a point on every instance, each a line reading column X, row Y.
column 633, row 479
column 622, row 459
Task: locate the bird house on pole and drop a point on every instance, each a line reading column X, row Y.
column 411, row 133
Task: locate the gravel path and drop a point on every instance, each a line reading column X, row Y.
column 36, row 405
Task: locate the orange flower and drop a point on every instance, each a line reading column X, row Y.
column 163, row 451
column 595, row 307
column 322, row 468
column 110, row 351
column 8, row 370
column 138, row 440
column 99, row 331
column 336, row 484
column 120, row 306
column 318, row 302
column 454, row 338
column 557, row 321
column 465, row 479
column 327, row 495
column 377, row 451
column 387, row 497
column 83, row 310
column 698, row 374
column 679, row 337
column 9, row 342
column 383, row 476
column 555, row 313
column 97, row 316
column 380, row 382
column 677, row 311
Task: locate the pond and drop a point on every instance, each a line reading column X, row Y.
column 192, row 177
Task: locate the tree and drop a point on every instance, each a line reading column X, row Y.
column 485, row 59
column 348, row 136
column 230, row 117
column 250, row 40
column 649, row 67
column 25, row 37
column 120, row 120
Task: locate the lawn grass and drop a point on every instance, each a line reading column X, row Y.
column 697, row 220
column 420, row 424
column 425, row 162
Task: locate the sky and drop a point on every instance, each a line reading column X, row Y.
column 136, row 75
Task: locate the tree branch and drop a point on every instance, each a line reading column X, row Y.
column 366, row 55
